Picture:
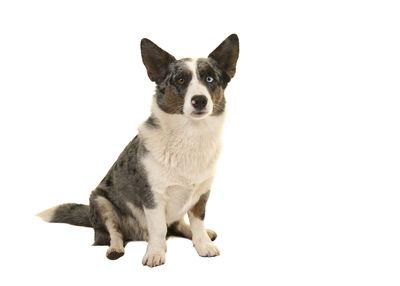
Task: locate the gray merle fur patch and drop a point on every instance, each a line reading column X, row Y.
column 126, row 182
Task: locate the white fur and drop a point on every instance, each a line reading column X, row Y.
column 196, row 87
column 201, row 241
column 47, row 215
column 156, row 225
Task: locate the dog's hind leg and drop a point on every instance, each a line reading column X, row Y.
column 110, row 220
column 181, row 229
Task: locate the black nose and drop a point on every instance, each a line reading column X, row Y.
column 199, row 102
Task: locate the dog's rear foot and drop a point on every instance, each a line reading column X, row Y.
column 114, row 253
column 212, row 234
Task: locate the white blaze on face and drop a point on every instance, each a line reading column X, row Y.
column 196, row 87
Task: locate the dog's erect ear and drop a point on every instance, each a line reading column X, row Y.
column 227, row 54
column 155, row 59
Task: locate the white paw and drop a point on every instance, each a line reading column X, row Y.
column 206, row 249
column 154, row 258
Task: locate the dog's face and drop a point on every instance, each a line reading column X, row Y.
column 192, row 87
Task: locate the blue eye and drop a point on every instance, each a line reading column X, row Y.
column 209, row 79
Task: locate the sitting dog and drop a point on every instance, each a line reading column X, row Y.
column 167, row 170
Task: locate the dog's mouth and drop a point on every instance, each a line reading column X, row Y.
column 199, row 114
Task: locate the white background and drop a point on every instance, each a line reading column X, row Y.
column 307, row 188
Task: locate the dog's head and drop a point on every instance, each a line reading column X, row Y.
column 192, row 87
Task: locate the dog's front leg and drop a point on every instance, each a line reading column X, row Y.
column 200, row 237
column 157, row 228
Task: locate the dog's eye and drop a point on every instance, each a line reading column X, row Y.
column 180, row 81
column 209, row 79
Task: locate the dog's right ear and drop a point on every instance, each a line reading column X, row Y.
column 155, row 59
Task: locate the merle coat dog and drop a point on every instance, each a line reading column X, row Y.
column 167, row 170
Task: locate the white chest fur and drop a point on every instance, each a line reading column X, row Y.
column 178, row 200
column 182, row 157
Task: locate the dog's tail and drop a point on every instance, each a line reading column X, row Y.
column 75, row 214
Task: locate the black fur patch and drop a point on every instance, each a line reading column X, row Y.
column 152, row 122
column 155, row 59
column 199, row 209
column 208, row 68
column 101, row 237
column 170, row 94
column 226, row 55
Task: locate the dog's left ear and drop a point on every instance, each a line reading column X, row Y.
column 227, row 54
column 155, row 59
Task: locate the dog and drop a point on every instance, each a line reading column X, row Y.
column 167, row 170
